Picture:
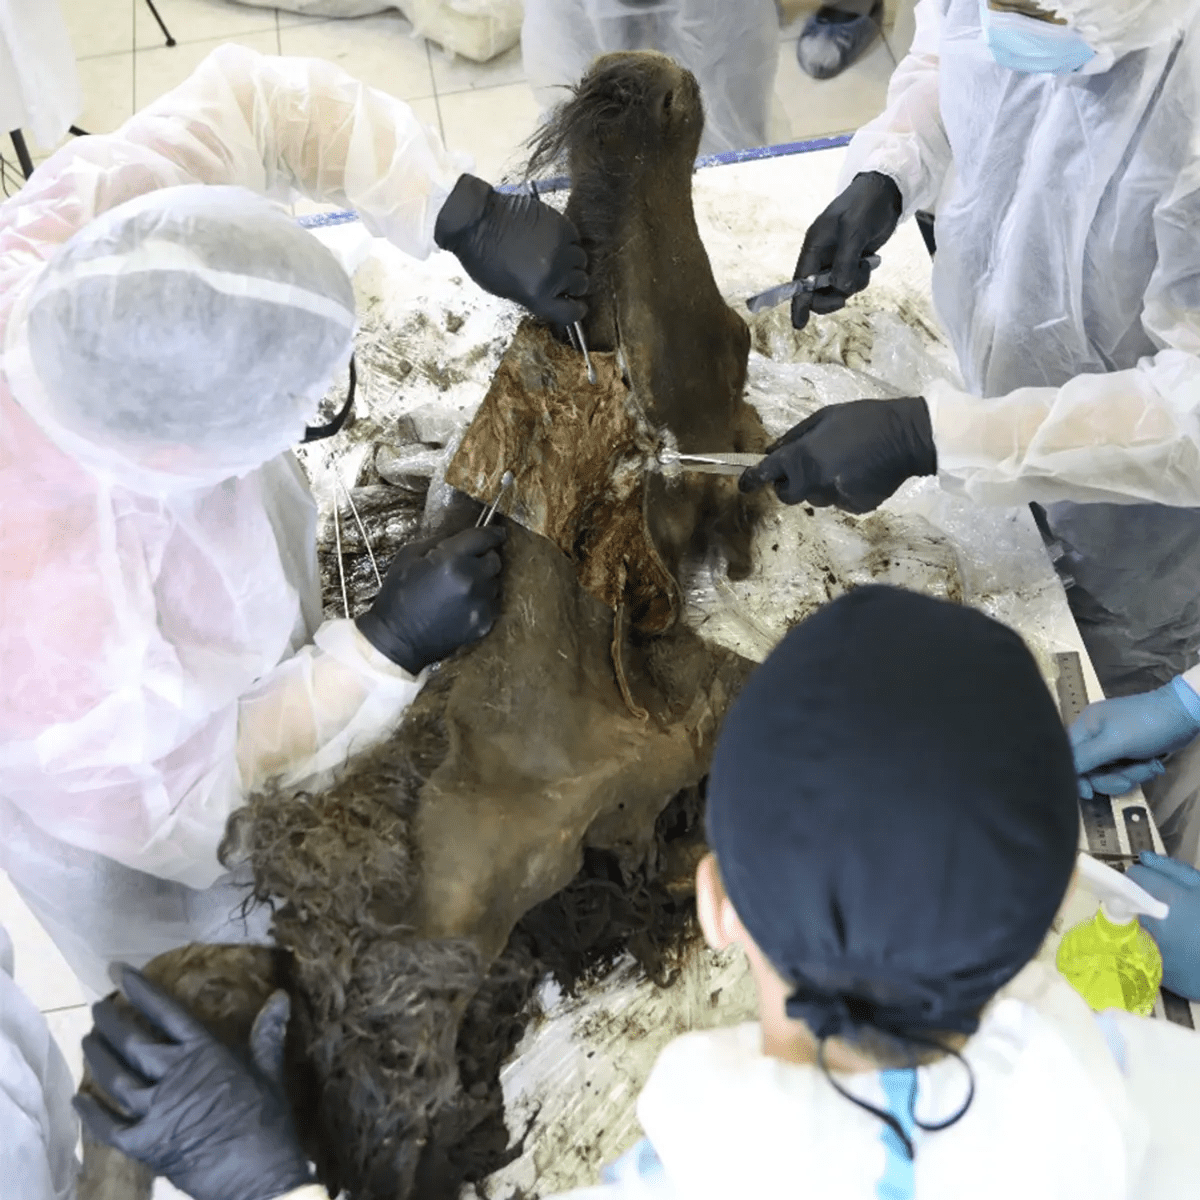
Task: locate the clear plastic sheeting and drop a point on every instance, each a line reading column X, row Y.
column 732, row 49
column 751, row 217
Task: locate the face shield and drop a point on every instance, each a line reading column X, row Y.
column 181, row 339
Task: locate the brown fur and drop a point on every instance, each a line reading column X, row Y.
column 518, row 812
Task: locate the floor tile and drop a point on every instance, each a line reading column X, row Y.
column 68, row 1027
column 99, row 26
column 491, row 124
column 40, row 971
column 286, row 18
column 158, row 71
column 900, row 36
column 380, row 51
column 839, row 105
column 199, row 21
column 107, row 85
column 453, row 73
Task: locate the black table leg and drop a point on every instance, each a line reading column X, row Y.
column 161, row 25
column 18, row 141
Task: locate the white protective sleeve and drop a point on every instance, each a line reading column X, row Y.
column 907, row 141
column 38, row 1126
column 273, row 125
column 1128, row 437
column 280, row 124
column 332, row 699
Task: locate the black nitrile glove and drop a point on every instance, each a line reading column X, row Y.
column 855, row 225
column 436, row 596
column 853, row 455
column 188, row 1107
column 516, row 247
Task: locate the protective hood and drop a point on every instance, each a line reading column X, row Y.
column 1120, row 26
column 181, row 339
column 726, row 1120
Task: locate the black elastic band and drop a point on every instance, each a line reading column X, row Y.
column 317, row 433
column 886, row 1117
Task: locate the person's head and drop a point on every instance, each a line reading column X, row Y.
column 893, row 812
column 1111, row 28
column 182, row 338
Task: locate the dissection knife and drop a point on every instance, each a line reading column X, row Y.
column 809, row 283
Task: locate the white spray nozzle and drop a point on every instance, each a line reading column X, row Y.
column 1122, row 898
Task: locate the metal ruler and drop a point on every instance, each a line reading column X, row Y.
column 1116, row 833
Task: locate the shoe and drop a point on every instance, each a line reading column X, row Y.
column 832, row 39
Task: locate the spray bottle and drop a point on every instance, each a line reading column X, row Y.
column 1109, row 959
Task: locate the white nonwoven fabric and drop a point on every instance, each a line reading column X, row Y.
column 161, row 647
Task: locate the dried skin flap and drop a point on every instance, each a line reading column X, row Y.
column 578, row 453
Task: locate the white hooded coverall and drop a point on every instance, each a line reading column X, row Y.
column 161, row 651
column 1068, row 278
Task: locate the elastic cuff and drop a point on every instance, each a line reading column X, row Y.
column 1187, row 697
column 462, row 210
column 310, row 1191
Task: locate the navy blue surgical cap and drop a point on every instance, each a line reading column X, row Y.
column 893, row 806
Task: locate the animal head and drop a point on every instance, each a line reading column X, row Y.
column 632, row 112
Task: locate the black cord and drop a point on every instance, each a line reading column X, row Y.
column 886, row 1117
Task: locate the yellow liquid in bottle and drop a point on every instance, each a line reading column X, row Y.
column 1112, row 966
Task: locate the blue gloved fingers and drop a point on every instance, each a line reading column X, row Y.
column 1180, row 873
column 1094, row 739
column 268, row 1035
column 160, row 1009
column 126, row 1089
column 1121, row 778
column 1086, row 791
column 101, row 1124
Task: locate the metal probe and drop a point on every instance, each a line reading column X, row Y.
column 485, row 517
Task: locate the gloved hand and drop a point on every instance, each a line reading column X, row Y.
column 515, row 247
column 1117, row 743
column 1178, row 935
column 855, row 225
column 437, row 595
column 187, row 1106
column 854, row 455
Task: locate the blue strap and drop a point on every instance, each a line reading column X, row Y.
column 898, row 1181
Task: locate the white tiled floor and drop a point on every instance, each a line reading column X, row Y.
column 485, row 110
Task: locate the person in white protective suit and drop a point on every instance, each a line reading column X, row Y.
column 732, row 49
column 164, row 344
column 1059, row 146
column 888, row 905
column 38, row 1127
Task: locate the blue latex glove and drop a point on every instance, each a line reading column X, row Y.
column 1118, row 743
column 1178, row 935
